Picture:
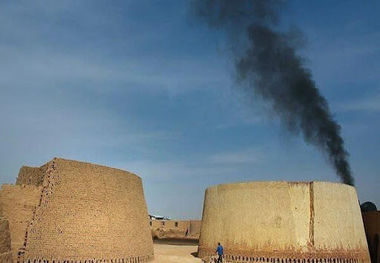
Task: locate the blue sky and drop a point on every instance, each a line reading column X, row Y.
column 145, row 87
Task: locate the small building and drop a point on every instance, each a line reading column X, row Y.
column 157, row 217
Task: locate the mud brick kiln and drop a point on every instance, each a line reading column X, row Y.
column 69, row 211
column 283, row 222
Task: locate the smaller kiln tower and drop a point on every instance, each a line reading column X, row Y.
column 69, row 211
column 283, row 222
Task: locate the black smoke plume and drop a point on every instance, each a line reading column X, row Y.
column 268, row 66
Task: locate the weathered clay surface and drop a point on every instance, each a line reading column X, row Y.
column 31, row 175
column 175, row 229
column 282, row 221
column 5, row 242
column 83, row 212
column 18, row 203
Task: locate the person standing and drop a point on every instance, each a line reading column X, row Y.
column 219, row 250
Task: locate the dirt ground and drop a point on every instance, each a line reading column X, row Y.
column 171, row 253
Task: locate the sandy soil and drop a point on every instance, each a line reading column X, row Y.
column 165, row 253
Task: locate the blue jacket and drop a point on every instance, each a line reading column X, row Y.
column 219, row 249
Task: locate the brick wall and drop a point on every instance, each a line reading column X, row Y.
column 89, row 212
column 18, row 203
column 276, row 221
column 5, row 242
column 31, row 175
column 175, row 229
column 195, row 227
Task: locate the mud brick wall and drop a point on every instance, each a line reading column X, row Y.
column 182, row 225
column 18, row 203
column 170, row 229
column 5, row 242
column 175, row 229
column 372, row 229
column 283, row 221
column 31, row 175
column 88, row 212
column 195, row 227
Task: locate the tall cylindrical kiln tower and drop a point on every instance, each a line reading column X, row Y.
column 283, row 222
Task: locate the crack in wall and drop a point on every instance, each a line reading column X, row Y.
column 311, row 222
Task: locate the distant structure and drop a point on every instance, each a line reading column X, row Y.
column 283, row 222
column 185, row 230
column 372, row 228
column 158, row 217
column 69, row 211
column 367, row 207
